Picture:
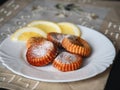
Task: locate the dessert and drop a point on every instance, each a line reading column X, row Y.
column 56, row 38
column 41, row 53
column 66, row 61
column 76, row 45
column 34, row 40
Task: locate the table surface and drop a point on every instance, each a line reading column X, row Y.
column 13, row 13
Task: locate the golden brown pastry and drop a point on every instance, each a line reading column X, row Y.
column 41, row 53
column 76, row 45
column 56, row 37
column 34, row 40
column 66, row 61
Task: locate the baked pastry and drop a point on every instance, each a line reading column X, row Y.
column 41, row 53
column 56, row 37
column 66, row 61
column 76, row 45
column 34, row 40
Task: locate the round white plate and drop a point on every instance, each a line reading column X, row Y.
column 103, row 53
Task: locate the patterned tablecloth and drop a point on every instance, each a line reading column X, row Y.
column 102, row 16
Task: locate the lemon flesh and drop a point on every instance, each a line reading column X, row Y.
column 25, row 33
column 69, row 28
column 46, row 26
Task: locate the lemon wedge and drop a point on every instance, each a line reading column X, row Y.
column 69, row 28
column 46, row 26
column 25, row 33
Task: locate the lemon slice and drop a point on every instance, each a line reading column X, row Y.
column 25, row 33
column 46, row 26
column 69, row 28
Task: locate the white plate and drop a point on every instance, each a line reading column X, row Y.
column 103, row 53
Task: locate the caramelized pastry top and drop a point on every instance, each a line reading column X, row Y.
column 67, row 58
column 34, row 40
column 56, row 37
column 41, row 49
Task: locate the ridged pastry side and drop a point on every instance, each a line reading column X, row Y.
column 67, row 67
column 63, row 63
column 80, row 46
column 40, row 60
